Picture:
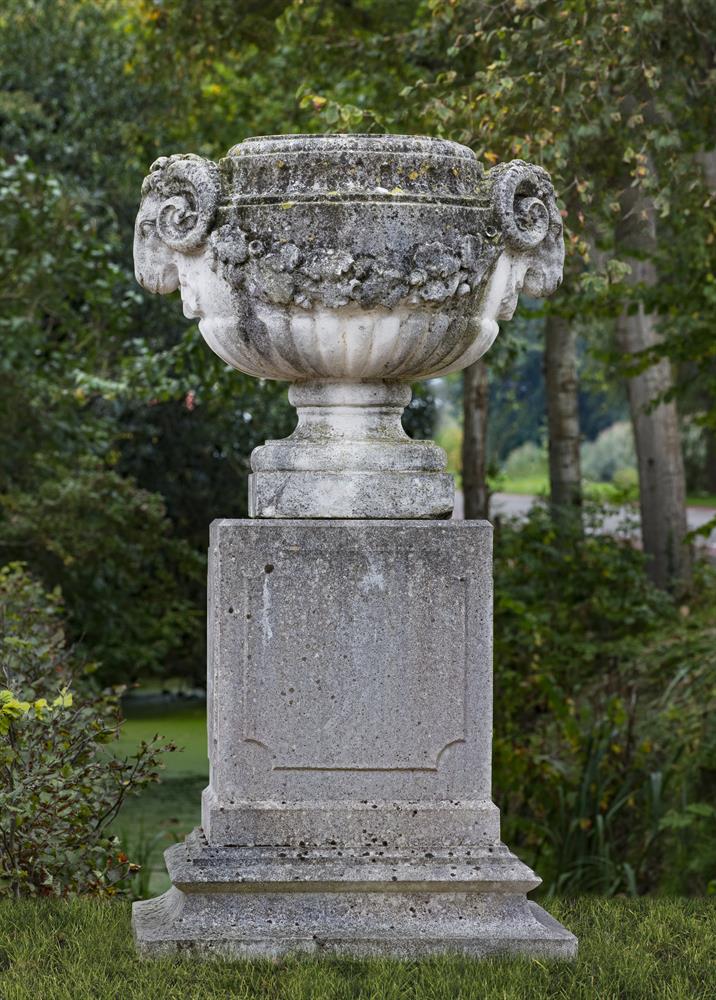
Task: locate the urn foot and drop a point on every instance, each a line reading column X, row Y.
column 375, row 495
column 349, row 457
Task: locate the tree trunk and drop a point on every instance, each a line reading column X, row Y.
column 707, row 159
column 662, row 487
column 474, row 441
column 710, row 472
column 560, row 367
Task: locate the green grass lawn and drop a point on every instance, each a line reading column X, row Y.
column 703, row 500
column 629, row 949
column 184, row 724
column 538, row 485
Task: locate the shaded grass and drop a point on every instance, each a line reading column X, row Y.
column 163, row 813
column 185, row 725
column 702, row 500
column 629, row 949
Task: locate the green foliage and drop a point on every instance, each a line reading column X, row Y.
column 60, row 788
column 528, row 459
column 77, row 96
column 611, row 452
column 64, row 507
column 65, row 301
column 125, row 577
column 604, row 739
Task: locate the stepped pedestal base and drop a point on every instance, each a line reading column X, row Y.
column 350, row 718
column 350, row 457
column 264, row 903
column 351, row 495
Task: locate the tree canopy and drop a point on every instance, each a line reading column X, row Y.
column 121, row 433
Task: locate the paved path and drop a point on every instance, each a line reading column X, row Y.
column 624, row 520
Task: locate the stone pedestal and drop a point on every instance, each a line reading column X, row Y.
column 350, row 705
column 350, row 718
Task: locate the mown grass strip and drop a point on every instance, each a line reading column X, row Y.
column 660, row 949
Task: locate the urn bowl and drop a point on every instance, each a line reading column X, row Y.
column 348, row 265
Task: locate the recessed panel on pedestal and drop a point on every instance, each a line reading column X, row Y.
column 343, row 648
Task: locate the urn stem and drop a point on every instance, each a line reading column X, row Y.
column 349, row 456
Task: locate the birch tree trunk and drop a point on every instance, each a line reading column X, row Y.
column 474, row 441
column 656, row 429
column 561, row 382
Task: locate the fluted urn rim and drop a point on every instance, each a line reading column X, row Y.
column 353, row 167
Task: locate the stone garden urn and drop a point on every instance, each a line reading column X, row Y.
column 349, row 266
column 349, row 808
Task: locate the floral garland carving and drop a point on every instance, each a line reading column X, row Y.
column 282, row 273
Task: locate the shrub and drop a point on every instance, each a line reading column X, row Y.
column 125, row 575
column 529, row 459
column 605, row 740
column 60, row 786
column 611, row 452
column 69, row 302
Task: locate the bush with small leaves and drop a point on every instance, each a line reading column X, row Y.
column 60, row 785
column 605, row 688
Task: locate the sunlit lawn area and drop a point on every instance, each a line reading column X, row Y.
column 629, row 950
column 538, row 485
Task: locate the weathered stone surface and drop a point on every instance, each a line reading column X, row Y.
column 394, row 924
column 349, row 457
column 350, row 679
column 350, row 661
column 348, row 494
column 350, row 707
column 197, row 866
column 266, row 902
column 356, row 262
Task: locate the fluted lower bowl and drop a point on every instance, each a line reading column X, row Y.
column 349, row 343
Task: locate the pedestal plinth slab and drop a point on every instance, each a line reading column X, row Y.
column 350, row 718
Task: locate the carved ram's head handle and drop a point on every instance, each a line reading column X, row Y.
column 180, row 198
column 523, row 201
